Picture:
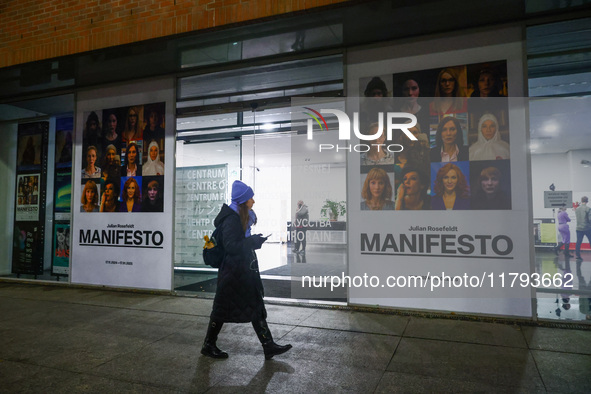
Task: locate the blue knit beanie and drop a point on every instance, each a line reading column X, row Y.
column 241, row 192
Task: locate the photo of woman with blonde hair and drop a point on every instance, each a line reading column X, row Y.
column 449, row 94
column 132, row 130
column 91, row 170
column 377, row 191
column 378, row 153
column 111, row 165
column 451, row 189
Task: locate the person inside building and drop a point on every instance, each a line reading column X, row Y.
column 449, row 142
column 239, row 293
column 564, row 230
column 451, row 189
column 583, row 215
column 302, row 218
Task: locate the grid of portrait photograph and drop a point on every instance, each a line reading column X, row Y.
column 460, row 159
column 123, row 159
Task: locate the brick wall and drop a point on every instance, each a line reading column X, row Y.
column 33, row 30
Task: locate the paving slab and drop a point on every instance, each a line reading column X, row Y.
column 491, row 365
column 351, row 349
column 564, row 372
column 560, row 340
column 357, row 322
column 26, row 378
column 300, row 376
column 466, row 331
column 393, row 382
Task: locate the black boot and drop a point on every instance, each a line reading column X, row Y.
column 567, row 251
column 557, row 248
column 269, row 346
column 209, row 348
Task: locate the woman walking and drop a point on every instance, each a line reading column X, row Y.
column 239, row 293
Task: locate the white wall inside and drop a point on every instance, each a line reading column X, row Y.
column 566, row 172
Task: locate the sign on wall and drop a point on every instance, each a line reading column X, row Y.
column 29, row 218
column 122, row 227
column 62, row 216
column 446, row 216
column 200, row 194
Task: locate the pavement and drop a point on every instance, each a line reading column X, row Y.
column 67, row 339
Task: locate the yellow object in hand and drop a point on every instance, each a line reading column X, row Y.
column 208, row 244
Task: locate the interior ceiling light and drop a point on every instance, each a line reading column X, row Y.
column 550, row 127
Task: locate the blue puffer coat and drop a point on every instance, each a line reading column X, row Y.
column 239, row 293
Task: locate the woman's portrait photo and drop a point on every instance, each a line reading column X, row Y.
column 109, row 199
column 92, row 130
column 91, row 170
column 131, row 160
column 111, row 168
column 154, row 121
column 29, row 150
column 111, row 125
column 449, row 142
column 491, row 185
column 378, row 153
column 130, row 195
column 376, row 191
column 89, row 198
column 133, row 131
column 153, row 163
column 412, row 194
column 487, row 79
column 450, row 96
column 490, row 145
column 450, row 187
column 152, row 201
column 374, row 99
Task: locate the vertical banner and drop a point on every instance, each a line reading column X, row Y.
column 439, row 209
column 200, row 193
column 29, row 218
column 60, row 262
column 122, row 227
